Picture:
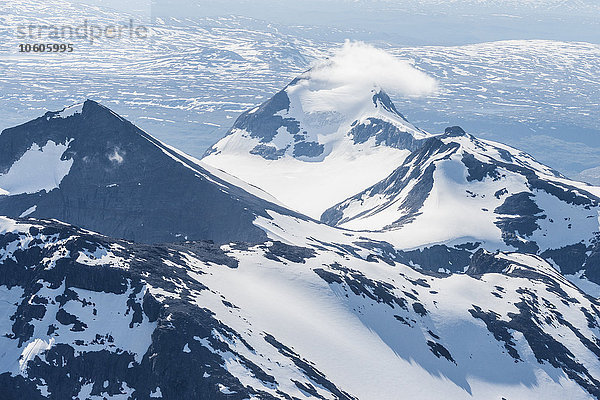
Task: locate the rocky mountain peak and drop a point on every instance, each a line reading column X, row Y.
column 88, row 166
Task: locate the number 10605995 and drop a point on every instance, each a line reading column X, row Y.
column 46, row 48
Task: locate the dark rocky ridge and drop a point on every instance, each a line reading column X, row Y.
column 415, row 167
column 143, row 194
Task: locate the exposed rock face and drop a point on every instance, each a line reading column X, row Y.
column 124, row 183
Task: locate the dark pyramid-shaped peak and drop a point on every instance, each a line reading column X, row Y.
column 113, row 178
column 87, row 127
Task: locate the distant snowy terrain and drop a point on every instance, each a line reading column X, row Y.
column 539, row 96
column 193, row 77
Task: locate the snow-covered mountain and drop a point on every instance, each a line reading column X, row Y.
column 316, row 142
column 444, row 196
column 443, row 266
column 85, row 316
column 457, row 189
column 88, row 166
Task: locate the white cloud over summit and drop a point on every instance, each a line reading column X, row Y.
column 361, row 65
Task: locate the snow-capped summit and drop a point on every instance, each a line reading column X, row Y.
column 320, row 142
column 88, row 166
column 310, row 120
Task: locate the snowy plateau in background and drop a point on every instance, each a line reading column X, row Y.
column 189, row 81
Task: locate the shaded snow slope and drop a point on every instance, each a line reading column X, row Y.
column 40, row 168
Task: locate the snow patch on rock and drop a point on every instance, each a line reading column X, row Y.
column 69, row 111
column 40, row 168
column 27, row 212
column 33, row 348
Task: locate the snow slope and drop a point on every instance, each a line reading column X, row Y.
column 40, row 168
column 264, row 321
